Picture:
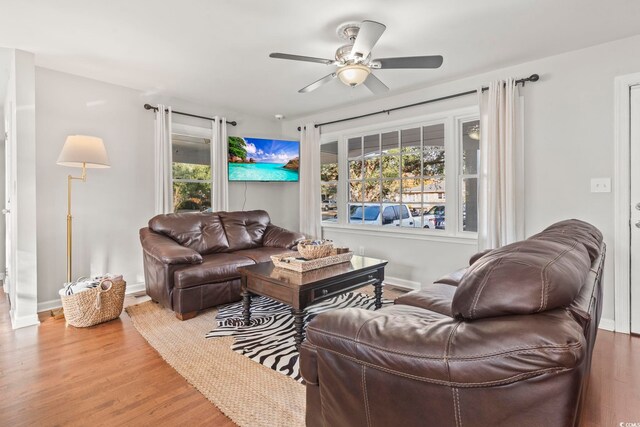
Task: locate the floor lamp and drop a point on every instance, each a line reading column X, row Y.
column 80, row 151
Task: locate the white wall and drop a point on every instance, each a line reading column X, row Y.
column 110, row 208
column 569, row 133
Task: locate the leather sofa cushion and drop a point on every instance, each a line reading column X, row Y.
column 244, row 230
column 436, row 297
column 214, row 268
column 575, row 230
column 478, row 255
column 424, row 345
column 278, row 237
column 522, row 278
column 262, row 254
column 452, row 279
column 200, row 231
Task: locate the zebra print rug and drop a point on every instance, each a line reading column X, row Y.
column 269, row 340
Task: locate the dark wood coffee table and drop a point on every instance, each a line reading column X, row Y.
column 300, row 290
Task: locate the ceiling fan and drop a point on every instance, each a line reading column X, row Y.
column 354, row 59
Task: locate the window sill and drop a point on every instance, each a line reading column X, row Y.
column 405, row 233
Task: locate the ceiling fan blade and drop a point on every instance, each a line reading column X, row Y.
column 315, row 85
column 301, row 58
column 368, row 36
column 433, row 61
column 375, row 85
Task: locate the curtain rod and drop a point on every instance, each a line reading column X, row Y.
column 531, row 78
column 151, row 107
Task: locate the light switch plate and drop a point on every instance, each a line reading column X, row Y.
column 601, row 185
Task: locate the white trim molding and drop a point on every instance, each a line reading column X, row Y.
column 622, row 216
column 55, row 303
column 607, row 325
column 402, row 283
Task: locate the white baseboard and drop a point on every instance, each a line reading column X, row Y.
column 607, row 325
column 55, row 303
column 23, row 321
column 402, row 283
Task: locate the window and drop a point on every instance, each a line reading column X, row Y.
column 329, row 181
column 469, row 174
column 420, row 177
column 191, row 170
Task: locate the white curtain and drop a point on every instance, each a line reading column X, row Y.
column 310, row 219
column 219, row 154
column 501, row 180
column 162, row 157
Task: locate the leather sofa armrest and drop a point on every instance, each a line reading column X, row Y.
column 424, row 345
column 278, row 237
column 167, row 251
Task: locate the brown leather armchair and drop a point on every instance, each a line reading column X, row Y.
column 191, row 260
column 506, row 343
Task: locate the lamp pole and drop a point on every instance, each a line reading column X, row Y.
column 70, row 178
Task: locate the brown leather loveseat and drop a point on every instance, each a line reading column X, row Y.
column 506, row 342
column 191, row 260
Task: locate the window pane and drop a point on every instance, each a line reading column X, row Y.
column 329, row 161
column 470, row 147
column 355, row 213
column 191, row 196
column 368, row 214
column 372, row 168
column 391, row 166
column 355, row 191
column 470, row 204
column 433, row 217
column 372, row 191
column 410, row 141
column 355, row 169
column 433, row 149
column 411, row 165
column 371, row 145
column 391, row 190
column 191, row 157
column 433, row 136
column 390, row 143
column 329, row 194
column 355, row 148
column 191, row 171
column 411, row 201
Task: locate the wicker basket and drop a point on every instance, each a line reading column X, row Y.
column 309, row 251
column 96, row 305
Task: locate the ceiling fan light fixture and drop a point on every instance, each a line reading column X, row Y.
column 354, row 74
column 474, row 133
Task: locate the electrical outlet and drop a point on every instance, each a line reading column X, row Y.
column 361, row 250
column 601, row 185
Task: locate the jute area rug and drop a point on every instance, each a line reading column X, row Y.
column 249, row 393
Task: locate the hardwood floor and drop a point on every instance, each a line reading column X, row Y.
column 109, row 375
column 55, row 375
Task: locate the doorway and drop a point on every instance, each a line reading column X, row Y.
column 627, row 204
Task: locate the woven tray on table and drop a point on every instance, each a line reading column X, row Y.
column 293, row 263
column 96, row 305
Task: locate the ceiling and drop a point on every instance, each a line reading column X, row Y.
column 215, row 53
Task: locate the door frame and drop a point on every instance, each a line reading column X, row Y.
column 622, row 200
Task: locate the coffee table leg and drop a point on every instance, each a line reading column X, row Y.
column 246, row 307
column 298, row 323
column 377, row 291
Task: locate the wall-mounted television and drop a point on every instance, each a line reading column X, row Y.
column 258, row 159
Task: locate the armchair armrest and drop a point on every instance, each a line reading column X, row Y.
column 167, row 251
column 278, row 237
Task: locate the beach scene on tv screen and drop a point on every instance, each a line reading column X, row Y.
column 257, row 159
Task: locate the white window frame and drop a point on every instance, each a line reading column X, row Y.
column 452, row 120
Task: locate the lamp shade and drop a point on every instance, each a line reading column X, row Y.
column 353, row 75
column 82, row 149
